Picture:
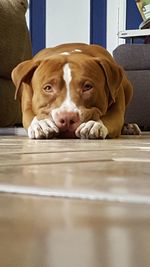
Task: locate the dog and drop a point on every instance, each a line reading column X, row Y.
column 72, row 90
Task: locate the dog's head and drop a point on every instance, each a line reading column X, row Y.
column 69, row 88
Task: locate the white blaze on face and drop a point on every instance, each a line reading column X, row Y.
column 67, row 105
column 67, row 78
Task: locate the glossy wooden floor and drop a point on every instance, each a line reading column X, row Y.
column 74, row 203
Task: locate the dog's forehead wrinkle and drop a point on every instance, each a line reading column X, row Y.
column 54, row 69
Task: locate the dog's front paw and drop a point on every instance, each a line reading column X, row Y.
column 92, row 130
column 40, row 129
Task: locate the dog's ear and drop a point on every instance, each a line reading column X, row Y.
column 23, row 73
column 113, row 74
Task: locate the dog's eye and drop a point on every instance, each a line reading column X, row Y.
column 87, row 86
column 47, row 88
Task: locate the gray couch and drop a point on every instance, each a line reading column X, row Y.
column 135, row 59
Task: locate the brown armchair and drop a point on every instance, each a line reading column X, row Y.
column 15, row 46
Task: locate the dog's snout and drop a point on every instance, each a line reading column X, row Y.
column 67, row 120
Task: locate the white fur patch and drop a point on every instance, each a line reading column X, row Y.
column 65, row 53
column 68, row 104
column 92, row 130
column 77, row 50
column 69, row 53
column 39, row 129
column 67, row 76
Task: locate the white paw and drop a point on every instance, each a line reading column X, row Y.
column 92, row 130
column 39, row 129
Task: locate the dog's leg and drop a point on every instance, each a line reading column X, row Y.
column 36, row 127
column 114, row 117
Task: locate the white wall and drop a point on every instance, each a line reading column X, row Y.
column 67, row 21
column 116, row 21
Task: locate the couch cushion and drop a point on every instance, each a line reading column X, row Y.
column 133, row 56
column 15, row 45
column 138, row 110
column 10, row 112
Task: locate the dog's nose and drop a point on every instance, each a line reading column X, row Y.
column 67, row 120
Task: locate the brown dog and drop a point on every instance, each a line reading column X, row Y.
column 72, row 90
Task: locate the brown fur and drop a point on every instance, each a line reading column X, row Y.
column 107, row 100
